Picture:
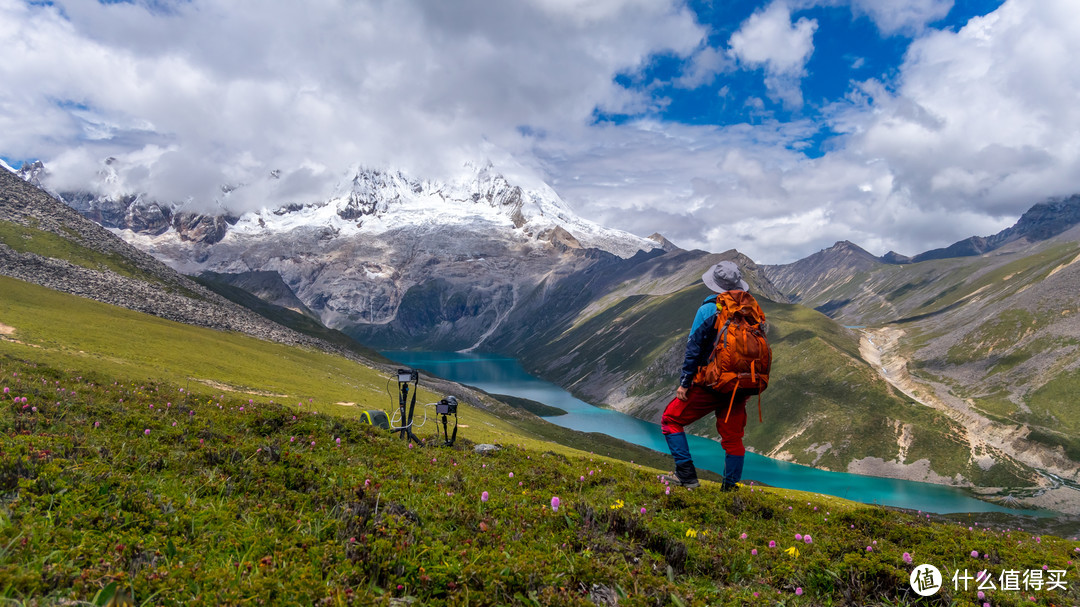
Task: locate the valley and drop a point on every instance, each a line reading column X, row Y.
column 880, row 348
column 483, row 265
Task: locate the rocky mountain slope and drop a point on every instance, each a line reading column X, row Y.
column 395, row 261
column 46, row 242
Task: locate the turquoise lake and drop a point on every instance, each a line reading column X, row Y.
column 499, row 375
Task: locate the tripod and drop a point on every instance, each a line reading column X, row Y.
column 406, row 377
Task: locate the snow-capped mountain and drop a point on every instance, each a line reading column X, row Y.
column 443, row 261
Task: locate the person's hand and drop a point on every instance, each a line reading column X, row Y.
column 681, row 393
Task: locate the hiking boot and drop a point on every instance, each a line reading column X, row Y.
column 729, row 487
column 673, row 479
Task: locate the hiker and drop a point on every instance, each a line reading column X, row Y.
column 694, row 397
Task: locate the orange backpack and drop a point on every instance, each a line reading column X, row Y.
column 741, row 357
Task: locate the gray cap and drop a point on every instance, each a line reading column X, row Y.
column 725, row 276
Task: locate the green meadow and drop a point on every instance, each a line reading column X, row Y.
column 144, row 462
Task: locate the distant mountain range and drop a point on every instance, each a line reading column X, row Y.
column 954, row 366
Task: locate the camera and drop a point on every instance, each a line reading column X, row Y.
column 407, row 375
column 447, row 406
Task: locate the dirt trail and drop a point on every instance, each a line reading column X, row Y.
column 880, row 348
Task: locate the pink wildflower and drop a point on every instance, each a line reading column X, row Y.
column 147, row 432
column 798, row 537
column 484, row 496
column 907, row 558
column 974, row 554
column 869, row 548
column 643, row 509
column 798, row 591
column 555, row 504
column 742, row 537
column 772, row 544
column 754, row 552
column 511, row 475
column 806, row 538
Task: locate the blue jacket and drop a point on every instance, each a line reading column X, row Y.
column 699, row 344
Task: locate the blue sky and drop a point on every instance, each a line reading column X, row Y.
column 776, row 127
column 847, row 47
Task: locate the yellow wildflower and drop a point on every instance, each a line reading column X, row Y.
column 793, row 551
column 691, row 532
column 618, row 504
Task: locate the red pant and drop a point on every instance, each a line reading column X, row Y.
column 701, row 402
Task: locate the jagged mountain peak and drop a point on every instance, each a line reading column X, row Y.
column 1042, row 221
column 664, row 243
column 32, row 172
column 840, row 262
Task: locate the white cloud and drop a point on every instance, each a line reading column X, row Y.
column 236, row 88
column 906, row 16
column 984, row 118
column 977, row 125
column 769, row 40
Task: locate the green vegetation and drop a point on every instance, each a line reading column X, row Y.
column 122, row 476
column 1070, row 444
column 1055, row 405
column 71, row 332
column 1000, row 333
column 169, row 496
column 628, row 335
column 997, row 406
column 530, row 405
column 26, row 239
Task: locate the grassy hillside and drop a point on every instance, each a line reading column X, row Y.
column 42, row 327
column 25, row 238
column 297, row 321
column 152, row 463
